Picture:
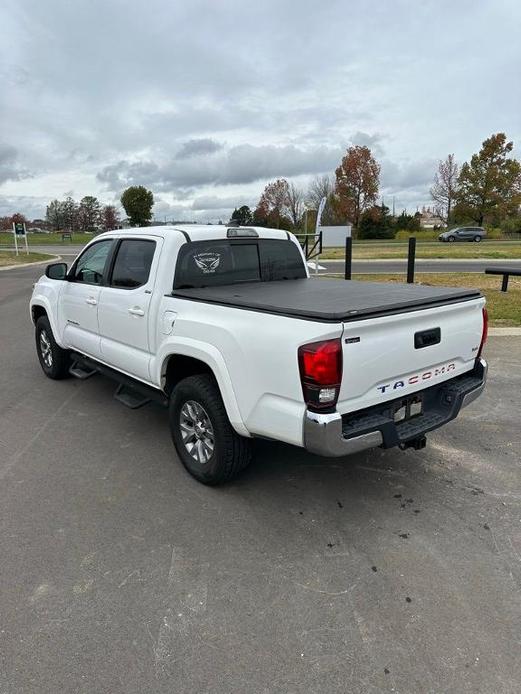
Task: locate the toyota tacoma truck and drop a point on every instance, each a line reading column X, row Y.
column 224, row 326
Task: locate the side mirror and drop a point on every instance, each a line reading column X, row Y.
column 56, row 271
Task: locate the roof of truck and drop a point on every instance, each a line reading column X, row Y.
column 200, row 232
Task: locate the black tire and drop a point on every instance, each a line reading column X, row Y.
column 452, row 239
column 54, row 360
column 477, row 239
column 231, row 453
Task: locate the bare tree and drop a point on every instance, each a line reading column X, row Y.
column 295, row 204
column 320, row 187
column 445, row 187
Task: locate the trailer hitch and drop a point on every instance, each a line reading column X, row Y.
column 417, row 443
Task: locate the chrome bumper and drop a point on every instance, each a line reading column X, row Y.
column 323, row 433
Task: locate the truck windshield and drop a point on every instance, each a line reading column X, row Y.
column 222, row 261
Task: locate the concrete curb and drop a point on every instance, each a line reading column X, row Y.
column 50, row 259
column 504, row 332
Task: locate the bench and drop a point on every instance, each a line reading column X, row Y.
column 506, row 272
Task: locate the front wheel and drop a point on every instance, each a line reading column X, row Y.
column 209, row 447
column 54, row 360
column 477, row 239
column 452, row 239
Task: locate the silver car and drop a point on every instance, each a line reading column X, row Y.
column 463, row 234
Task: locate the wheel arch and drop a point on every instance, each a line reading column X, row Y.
column 179, row 365
column 41, row 306
column 37, row 310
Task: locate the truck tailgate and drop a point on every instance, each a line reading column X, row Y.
column 399, row 354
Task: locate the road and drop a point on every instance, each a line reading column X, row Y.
column 120, row 574
column 400, row 266
column 337, row 266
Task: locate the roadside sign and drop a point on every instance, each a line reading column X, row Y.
column 19, row 230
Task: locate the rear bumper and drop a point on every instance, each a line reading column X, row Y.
column 334, row 435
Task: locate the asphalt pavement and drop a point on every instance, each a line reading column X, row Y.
column 382, row 572
column 69, row 252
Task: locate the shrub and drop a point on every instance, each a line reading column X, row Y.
column 494, row 233
column 429, row 235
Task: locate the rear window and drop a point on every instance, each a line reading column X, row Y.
column 223, row 261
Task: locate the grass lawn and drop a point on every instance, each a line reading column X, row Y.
column 10, row 258
column 485, row 250
column 504, row 308
column 6, row 239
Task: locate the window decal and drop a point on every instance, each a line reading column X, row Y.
column 207, row 262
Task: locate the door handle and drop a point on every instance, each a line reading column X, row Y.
column 91, row 301
column 136, row 311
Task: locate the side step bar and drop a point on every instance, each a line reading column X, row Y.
column 129, row 392
column 80, row 372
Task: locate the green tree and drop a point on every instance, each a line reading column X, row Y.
column 242, row 216
column 54, row 215
column 407, row 222
column 70, row 213
column 137, row 202
column 89, row 212
column 490, row 184
column 376, row 223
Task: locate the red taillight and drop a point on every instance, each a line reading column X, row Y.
column 320, row 366
column 484, row 334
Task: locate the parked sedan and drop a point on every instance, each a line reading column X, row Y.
column 463, row 234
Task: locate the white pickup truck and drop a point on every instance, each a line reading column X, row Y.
column 226, row 328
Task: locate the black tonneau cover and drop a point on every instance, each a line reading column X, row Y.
column 330, row 301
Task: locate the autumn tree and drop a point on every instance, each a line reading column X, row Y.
column 137, row 202
column 357, row 183
column 445, row 187
column 273, row 203
column 18, row 218
column 490, row 184
column 242, row 216
column 109, row 217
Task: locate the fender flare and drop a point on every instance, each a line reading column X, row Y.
column 44, row 303
column 213, row 358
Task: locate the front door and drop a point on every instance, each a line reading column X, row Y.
column 80, row 297
column 124, row 307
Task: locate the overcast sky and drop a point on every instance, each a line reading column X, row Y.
column 204, row 101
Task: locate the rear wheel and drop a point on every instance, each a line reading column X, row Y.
column 209, row 447
column 452, row 239
column 54, row 360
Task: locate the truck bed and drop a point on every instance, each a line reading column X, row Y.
column 329, row 301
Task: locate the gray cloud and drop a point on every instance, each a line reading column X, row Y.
column 374, row 142
column 195, row 148
column 10, row 170
column 240, row 164
column 152, row 96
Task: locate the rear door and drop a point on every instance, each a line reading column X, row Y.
column 124, row 307
column 388, row 357
column 79, row 298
